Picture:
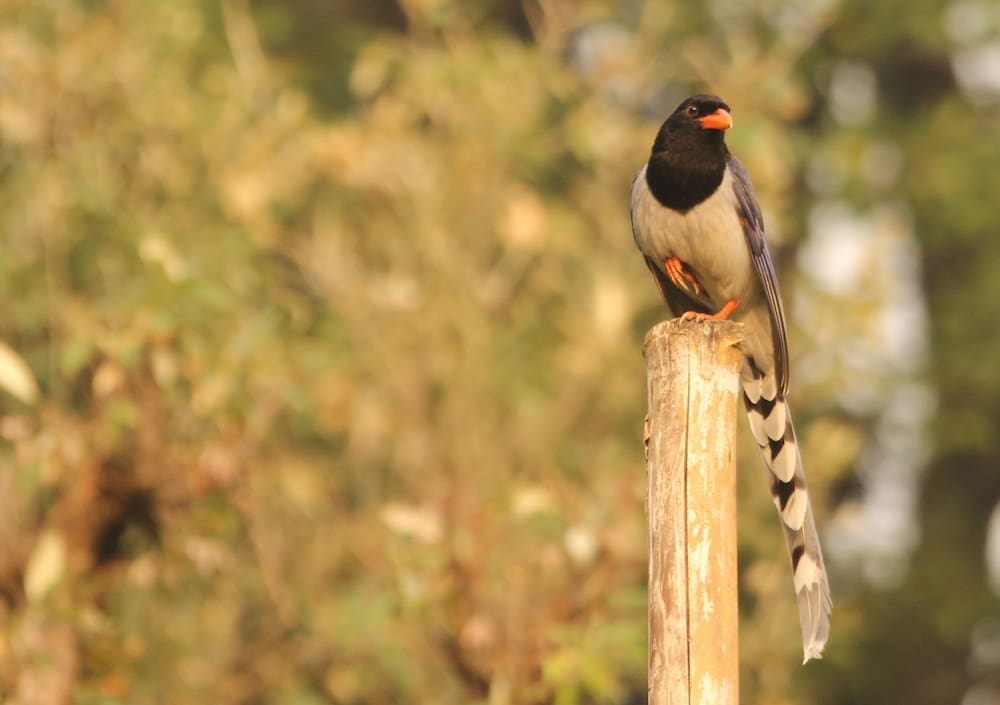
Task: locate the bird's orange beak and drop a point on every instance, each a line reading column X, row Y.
column 719, row 120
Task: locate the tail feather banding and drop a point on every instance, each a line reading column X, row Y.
column 771, row 425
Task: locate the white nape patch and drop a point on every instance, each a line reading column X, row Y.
column 806, row 573
column 794, row 513
column 783, row 465
column 774, row 425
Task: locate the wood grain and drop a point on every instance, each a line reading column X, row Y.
column 692, row 384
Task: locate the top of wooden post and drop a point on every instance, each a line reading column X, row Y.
column 721, row 333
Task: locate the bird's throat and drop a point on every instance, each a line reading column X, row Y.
column 681, row 184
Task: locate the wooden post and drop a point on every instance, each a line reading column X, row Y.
column 692, row 373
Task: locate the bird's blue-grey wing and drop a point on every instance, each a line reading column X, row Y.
column 760, row 256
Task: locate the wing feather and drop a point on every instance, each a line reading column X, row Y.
column 753, row 230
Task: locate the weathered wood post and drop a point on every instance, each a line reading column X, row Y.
column 692, row 373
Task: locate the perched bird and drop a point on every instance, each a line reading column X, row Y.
column 696, row 220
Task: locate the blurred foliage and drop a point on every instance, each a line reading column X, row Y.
column 320, row 345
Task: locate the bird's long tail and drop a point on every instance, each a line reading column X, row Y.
column 772, row 428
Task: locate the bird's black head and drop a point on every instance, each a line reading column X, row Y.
column 700, row 119
column 689, row 155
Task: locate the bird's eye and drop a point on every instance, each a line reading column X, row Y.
column 692, row 110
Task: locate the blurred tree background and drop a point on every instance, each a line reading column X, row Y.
column 320, row 372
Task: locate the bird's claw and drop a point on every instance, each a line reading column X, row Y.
column 695, row 316
column 721, row 315
column 681, row 276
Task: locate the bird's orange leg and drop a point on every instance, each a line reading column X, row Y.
column 680, row 275
column 720, row 315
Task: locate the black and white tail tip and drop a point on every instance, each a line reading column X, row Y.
column 771, row 425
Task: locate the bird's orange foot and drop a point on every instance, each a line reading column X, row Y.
column 720, row 315
column 680, row 275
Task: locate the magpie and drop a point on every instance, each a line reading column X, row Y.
column 696, row 221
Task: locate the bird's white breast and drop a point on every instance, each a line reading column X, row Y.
column 708, row 238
